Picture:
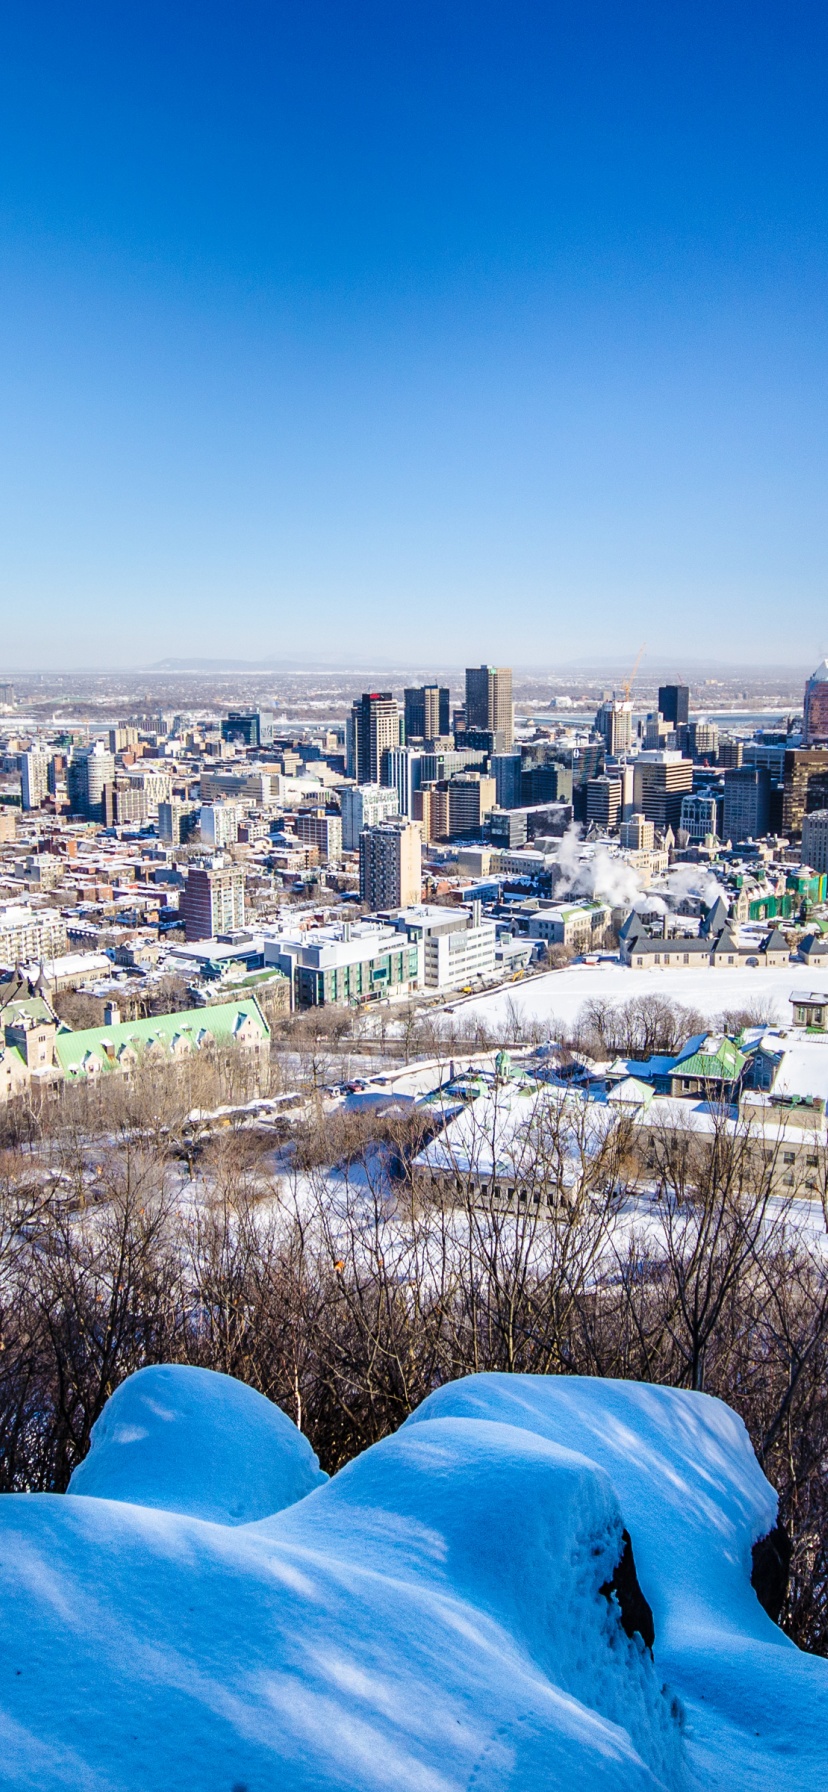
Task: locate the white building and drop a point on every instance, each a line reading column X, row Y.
column 219, row 823
column 34, row 776
column 457, row 945
column 28, row 934
column 365, row 806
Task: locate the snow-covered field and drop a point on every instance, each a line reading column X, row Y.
column 561, row 994
column 457, row 1611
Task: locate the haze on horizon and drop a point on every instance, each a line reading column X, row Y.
column 362, row 330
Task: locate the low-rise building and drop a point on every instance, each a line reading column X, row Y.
column 166, row 1038
column 579, row 926
column 458, row 945
column 348, row 962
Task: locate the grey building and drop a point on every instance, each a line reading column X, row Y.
column 489, row 703
column 746, row 802
column 88, row 773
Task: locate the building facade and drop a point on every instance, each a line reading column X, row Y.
column 815, row 719
column 489, row 705
column 375, row 723
column 365, row 806
column 212, row 901
column 390, row 865
column 815, row 840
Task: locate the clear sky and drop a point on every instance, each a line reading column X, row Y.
column 345, row 328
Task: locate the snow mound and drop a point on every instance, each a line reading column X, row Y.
column 456, row 1611
column 193, row 1441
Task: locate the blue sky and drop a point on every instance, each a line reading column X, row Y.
column 346, row 330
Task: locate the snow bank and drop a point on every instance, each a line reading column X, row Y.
column 190, row 1440
column 439, row 1617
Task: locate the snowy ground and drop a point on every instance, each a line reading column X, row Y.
column 561, row 994
column 444, row 1615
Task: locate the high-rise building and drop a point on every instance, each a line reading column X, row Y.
column 637, row 834
column 455, row 808
column 34, row 777
column 253, row 728
column 390, row 865
column 321, row 829
column 364, row 806
column 489, row 704
column 746, row 803
column 699, row 816
column 427, row 713
column 604, row 798
column 660, row 782
column 506, row 768
column 548, row 782
column 805, row 786
column 814, row 851
column 402, row 771
column 374, row 724
column 674, row 703
column 731, row 754
column 614, row 723
column 702, row 739
column 212, row 901
column 122, row 738
column 219, row 823
column 177, row 820
column 88, row 771
column 815, row 720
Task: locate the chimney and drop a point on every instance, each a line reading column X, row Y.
column 112, row 1014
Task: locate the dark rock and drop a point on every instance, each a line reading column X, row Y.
column 769, row 1575
column 636, row 1615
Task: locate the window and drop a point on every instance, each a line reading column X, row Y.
column 789, row 1157
column 686, row 958
column 812, row 1163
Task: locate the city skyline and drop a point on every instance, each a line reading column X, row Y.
column 345, row 324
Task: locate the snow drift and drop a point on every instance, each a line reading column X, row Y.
column 537, row 1583
column 189, row 1440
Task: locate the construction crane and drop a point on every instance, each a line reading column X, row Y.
column 628, row 682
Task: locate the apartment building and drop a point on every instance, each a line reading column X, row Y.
column 365, row 806
column 28, row 935
column 390, row 864
column 212, row 901
column 319, row 828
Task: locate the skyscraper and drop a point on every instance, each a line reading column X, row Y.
column 489, row 705
column 815, row 728
column 426, row 711
column 614, row 722
column 674, row 703
column 373, row 725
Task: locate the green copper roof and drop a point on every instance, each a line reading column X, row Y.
column 720, row 1062
column 103, row 1048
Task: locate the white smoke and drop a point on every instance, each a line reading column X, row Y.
column 696, row 880
column 594, row 871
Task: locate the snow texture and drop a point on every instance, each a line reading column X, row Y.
column 189, row 1440
column 436, row 1618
